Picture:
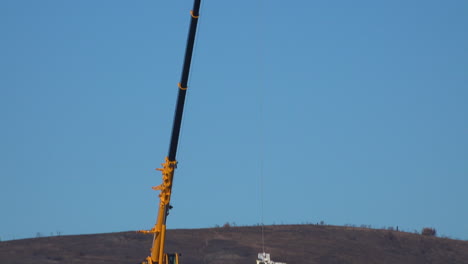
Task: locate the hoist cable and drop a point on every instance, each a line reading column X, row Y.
column 261, row 89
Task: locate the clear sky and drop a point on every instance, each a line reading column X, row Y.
column 347, row 112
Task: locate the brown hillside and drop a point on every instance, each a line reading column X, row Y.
column 293, row 244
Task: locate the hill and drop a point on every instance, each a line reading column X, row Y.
column 240, row 245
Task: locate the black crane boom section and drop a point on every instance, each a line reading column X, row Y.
column 183, row 82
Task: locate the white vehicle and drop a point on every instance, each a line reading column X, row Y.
column 264, row 258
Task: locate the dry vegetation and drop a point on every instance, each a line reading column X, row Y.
column 240, row 245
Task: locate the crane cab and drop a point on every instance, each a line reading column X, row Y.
column 172, row 258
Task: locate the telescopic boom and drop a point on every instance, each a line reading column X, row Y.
column 183, row 81
column 159, row 230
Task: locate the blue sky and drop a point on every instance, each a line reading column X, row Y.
column 348, row 112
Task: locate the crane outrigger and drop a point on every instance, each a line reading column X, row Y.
column 158, row 256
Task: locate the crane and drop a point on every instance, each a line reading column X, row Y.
column 158, row 255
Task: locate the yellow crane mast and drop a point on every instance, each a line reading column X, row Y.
column 158, row 256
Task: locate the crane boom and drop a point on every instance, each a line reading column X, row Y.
column 184, row 80
column 158, row 256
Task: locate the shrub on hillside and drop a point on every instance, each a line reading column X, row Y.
column 428, row 231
